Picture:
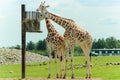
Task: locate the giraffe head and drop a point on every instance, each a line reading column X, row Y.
column 42, row 8
column 41, row 16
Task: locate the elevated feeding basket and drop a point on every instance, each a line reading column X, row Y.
column 31, row 22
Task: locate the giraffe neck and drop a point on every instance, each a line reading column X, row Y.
column 63, row 22
column 50, row 27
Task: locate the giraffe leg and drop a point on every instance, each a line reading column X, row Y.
column 61, row 65
column 72, row 61
column 88, row 61
column 63, row 51
column 86, row 51
column 49, row 68
column 88, row 74
column 56, row 61
column 66, row 64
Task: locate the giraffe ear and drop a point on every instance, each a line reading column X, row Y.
column 37, row 9
column 47, row 6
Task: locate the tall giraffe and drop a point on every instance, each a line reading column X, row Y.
column 55, row 42
column 73, row 36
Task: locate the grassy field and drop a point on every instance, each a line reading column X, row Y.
column 35, row 70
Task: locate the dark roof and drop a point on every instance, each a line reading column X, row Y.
column 106, row 49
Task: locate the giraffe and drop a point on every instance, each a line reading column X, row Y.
column 73, row 36
column 55, row 42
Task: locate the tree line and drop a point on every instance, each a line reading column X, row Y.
column 108, row 43
column 38, row 46
column 101, row 43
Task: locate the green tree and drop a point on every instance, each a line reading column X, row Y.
column 44, row 45
column 99, row 44
column 94, row 46
column 17, row 47
column 111, row 42
column 30, row 46
column 41, row 45
column 118, row 44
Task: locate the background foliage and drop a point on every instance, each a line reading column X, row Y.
column 101, row 43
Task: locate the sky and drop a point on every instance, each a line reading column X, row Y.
column 101, row 18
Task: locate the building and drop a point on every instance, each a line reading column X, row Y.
column 107, row 52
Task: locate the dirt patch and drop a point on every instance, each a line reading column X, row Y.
column 13, row 56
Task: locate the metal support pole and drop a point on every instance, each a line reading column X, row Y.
column 23, row 31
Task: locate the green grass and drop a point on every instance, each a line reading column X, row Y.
column 99, row 69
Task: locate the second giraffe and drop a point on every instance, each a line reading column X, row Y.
column 55, row 42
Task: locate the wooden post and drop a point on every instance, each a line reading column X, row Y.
column 23, row 31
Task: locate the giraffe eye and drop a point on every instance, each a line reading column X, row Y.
column 41, row 15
